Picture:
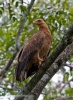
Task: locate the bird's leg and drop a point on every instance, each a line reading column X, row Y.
column 25, row 74
column 40, row 60
column 21, row 76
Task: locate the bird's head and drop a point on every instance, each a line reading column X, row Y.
column 40, row 23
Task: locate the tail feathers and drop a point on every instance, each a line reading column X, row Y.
column 20, row 68
column 19, row 73
column 24, row 75
column 20, row 76
column 22, row 64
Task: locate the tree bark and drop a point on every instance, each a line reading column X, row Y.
column 66, row 40
column 62, row 58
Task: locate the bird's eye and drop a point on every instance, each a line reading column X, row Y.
column 39, row 20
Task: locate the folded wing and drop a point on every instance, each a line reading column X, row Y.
column 26, row 54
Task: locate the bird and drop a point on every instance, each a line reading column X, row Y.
column 34, row 52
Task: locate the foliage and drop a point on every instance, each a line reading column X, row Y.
column 58, row 14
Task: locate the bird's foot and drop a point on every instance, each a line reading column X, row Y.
column 21, row 76
column 25, row 74
column 40, row 61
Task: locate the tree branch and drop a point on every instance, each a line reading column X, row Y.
column 68, row 65
column 67, row 39
column 62, row 58
column 66, row 83
column 62, row 97
column 22, row 25
column 6, row 68
column 5, row 88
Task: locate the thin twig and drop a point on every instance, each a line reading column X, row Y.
column 25, row 2
column 66, row 84
column 5, row 88
column 22, row 25
column 69, row 65
column 6, row 68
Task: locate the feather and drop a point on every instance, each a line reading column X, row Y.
column 34, row 52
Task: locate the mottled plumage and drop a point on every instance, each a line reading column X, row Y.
column 34, row 52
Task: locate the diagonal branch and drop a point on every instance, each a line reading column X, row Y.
column 62, row 58
column 66, row 82
column 64, row 97
column 67, row 39
column 6, row 68
column 22, row 25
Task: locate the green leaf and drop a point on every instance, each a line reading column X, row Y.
column 16, row 5
column 1, row 12
column 13, row 1
column 66, row 76
column 69, row 91
column 23, row 8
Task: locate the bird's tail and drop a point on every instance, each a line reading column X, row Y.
column 20, row 72
column 20, row 76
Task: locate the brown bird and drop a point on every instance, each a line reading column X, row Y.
column 34, row 52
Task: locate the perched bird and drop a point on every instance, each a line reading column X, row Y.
column 34, row 52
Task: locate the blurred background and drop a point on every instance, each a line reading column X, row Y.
column 58, row 14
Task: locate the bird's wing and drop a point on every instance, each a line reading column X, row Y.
column 28, row 51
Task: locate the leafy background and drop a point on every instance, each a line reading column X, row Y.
column 58, row 14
